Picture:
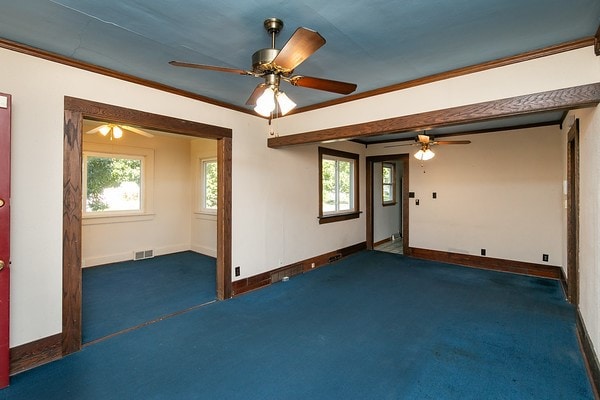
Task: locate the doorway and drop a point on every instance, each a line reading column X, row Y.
column 401, row 161
column 75, row 111
column 573, row 214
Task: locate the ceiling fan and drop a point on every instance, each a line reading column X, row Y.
column 115, row 131
column 274, row 65
column 426, row 142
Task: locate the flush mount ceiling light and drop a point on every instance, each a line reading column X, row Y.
column 275, row 65
column 114, row 131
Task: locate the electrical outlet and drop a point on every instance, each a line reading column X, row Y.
column 483, row 252
column 312, row 265
column 545, row 257
column 237, row 271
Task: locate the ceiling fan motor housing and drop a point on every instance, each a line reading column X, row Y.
column 261, row 60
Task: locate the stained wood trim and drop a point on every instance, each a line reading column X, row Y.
column 589, row 354
column 72, row 211
column 109, row 113
column 46, row 55
column 553, row 100
column 75, row 111
column 224, row 177
column 597, row 42
column 36, row 353
column 495, row 264
column 501, row 62
column 264, row 279
column 573, row 214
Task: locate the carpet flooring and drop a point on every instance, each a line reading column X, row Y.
column 374, row 325
column 123, row 295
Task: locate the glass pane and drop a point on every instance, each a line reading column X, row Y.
column 329, row 185
column 345, row 194
column 113, row 184
column 387, row 174
column 210, row 185
column 387, row 193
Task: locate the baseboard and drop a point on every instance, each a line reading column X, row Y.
column 379, row 243
column 127, row 256
column 496, row 264
column 266, row 278
column 589, row 355
column 36, row 353
column 207, row 251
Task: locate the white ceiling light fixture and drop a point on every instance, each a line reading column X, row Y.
column 424, row 154
column 114, row 131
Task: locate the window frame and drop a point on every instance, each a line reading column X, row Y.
column 392, row 184
column 146, row 183
column 326, row 153
column 202, row 186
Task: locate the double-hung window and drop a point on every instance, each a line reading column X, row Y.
column 338, row 185
column 388, row 184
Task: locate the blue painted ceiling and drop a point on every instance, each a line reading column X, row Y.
column 375, row 43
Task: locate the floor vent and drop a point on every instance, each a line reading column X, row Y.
column 143, row 254
column 287, row 272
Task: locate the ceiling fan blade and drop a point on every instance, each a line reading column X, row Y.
column 138, row 131
column 95, row 130
column 303, row 43
column 405, row 144
column 327, row 85
column 210, row 67
column 258, row 90
column 452, row 142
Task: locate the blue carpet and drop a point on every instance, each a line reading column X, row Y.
column 126, row 294
column 371, row 326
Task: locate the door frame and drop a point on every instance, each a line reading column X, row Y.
column 5, row 133
column 573, row 214
column 370, row 161
column 75, row 110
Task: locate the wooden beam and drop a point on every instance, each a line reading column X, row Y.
column 109, row 113
column 553, row 100
column 597, row 42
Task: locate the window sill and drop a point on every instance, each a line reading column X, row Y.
column 389, row 204
column 326, row 219
column 115, row 219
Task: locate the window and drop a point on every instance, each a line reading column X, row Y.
column 209, row 185
column 388, row 183
column 338, row 185
column 112, row 183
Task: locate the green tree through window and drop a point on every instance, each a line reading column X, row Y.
column 209, row 168
column 112, row 183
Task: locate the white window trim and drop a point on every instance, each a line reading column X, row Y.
column 352, row 194
column 200, row 191
column 147, row 184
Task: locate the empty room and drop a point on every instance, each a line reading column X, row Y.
column 299, row 200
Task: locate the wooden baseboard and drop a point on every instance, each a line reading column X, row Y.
column 266, row 278
column 589, row 355
column 382, row 242
column 33, row 354
column 496, row 264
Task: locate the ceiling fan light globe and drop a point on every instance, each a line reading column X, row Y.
column 265, row 104
column 104, row 130
column 424, row 155
column 117, row 132
column 285, row 103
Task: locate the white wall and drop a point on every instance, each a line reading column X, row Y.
column 386, row 219
column 589, row 220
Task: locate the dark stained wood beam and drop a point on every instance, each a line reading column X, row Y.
column 553, row 100
column 597, row 42
column 109, row 113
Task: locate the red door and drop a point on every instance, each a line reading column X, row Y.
column 5, row 101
